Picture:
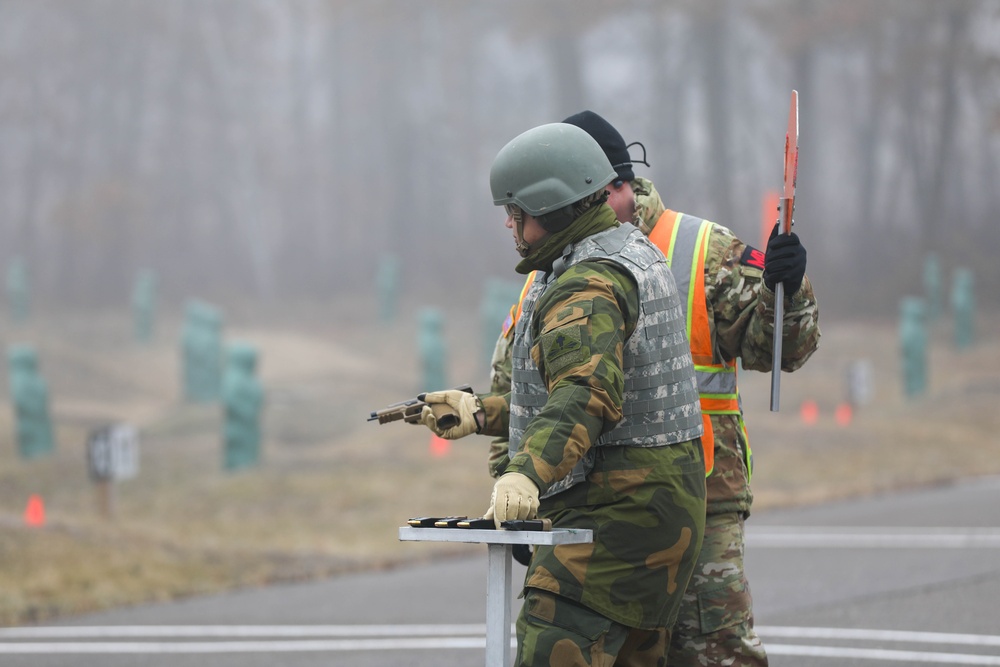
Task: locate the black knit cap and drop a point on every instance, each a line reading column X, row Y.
column 610, row 140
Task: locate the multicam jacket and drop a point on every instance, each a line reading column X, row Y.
column 741, row 322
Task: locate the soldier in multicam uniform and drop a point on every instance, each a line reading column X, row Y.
column 715, row 625
column 602, row 416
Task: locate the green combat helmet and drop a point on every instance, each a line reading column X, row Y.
column 547, row 169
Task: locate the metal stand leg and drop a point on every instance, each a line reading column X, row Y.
column 498, row 606
column 500, row 543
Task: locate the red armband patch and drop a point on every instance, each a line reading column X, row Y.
column 752, row 257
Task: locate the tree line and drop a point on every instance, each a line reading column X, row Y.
column 279, row 150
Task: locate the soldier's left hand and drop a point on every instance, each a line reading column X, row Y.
column 515, row 496
column 784, row 261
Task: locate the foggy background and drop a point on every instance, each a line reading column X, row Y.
column 270, row 151
column 269, row 157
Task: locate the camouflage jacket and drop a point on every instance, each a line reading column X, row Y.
column 653, row 379
column 645, row 504
column 585, row 397
column 741, row 320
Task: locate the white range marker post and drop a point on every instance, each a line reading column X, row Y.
column 498, row 586
column 112, row 454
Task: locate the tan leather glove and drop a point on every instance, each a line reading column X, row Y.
column 515, row 496
column 464, row 406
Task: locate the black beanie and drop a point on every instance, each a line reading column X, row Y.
column 610, row 140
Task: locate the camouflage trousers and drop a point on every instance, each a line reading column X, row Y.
column 715, row 625
column 555, row 632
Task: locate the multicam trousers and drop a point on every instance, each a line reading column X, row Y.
column 715, row 625
column 552, row 630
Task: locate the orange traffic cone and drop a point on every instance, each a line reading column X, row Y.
column 809, row 412
column 439, row 446
column 844, row 414
column 34, row 513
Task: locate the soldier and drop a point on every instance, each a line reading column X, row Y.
column 731, row 316
column 602, row 415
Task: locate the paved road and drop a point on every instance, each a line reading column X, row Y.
column 904, row 578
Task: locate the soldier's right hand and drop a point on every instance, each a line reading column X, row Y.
column 465, row 406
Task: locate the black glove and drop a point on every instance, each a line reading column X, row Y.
column 784, row 261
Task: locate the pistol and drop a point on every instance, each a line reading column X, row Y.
column 410, row 409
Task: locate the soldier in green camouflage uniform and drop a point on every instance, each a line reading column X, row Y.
column 715, row 626
column 602, row 415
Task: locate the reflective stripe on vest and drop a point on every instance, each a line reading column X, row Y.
column 515, row 310
column 684, row 241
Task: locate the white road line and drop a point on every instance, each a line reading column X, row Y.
column 438, row 643
column 96, row 632
column 795, row 632
column 882, row 654
column 464, row 629
column 277, row 646
column 873, row 537
column 440, row 637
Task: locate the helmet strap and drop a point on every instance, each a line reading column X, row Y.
column 523, row 249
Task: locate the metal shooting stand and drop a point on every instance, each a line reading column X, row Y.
column 498, row 586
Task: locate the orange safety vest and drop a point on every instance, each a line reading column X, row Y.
column 515, row 310
column 684, row 241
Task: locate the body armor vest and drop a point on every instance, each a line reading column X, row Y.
column 660, row 398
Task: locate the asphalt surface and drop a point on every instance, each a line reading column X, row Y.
column 903, row 578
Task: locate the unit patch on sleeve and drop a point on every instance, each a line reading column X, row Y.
column 752, row 257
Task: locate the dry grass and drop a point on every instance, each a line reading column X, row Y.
column 951, row 432
column 332, row 489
